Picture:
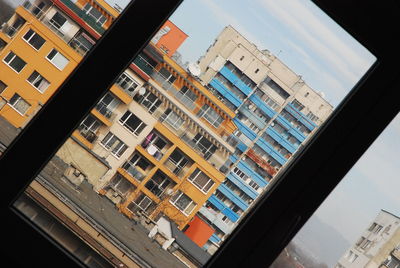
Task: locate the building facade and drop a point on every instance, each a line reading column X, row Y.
column 276, row 112
column 378, row 245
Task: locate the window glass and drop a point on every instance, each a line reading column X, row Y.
column 360, row 218
column 193, row 131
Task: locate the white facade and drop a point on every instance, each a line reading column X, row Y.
column 371, row 242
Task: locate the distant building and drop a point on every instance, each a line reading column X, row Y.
column 169, row 38
column 378, row 246
column 276, row 112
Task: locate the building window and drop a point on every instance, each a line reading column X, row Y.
column 132, row 123
column 204, row 145
column 95, row 14
column 58, row 21
column 132, row 165
column 183, row 202
column 254, row 185
column 167, row 76
column 297, row 105
column 210, row 115
column 15, row 62
column 3, row 86
column 19, row 104
column 201, row 180
column 277, row 88
column 240, row 173
column 126, row 82
column 35, row 40
column 149, row 101
column 117, row 146
column 57, row 59
column 142, row 203
column 173, row 119
column 312, row 116
column 121, row 185
column 38, row 81
column 159, row 184
column 187, row 96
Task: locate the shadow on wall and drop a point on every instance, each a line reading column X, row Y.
column 6, row 11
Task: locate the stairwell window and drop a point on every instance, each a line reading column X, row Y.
column 183, row 202
column 19, row 104
column 132, row 123
column 15, row 62
column 35, row 40
column 57, row 59
column 38, row 81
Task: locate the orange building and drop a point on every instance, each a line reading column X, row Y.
column 169, row 38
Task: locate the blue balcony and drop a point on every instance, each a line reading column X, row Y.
column 233, row 197
column 252, row 174
column 259, row 122
column 228, row 74
column 229, row 95
column 281, row 140
column 244, row 129
column 223, row 208
column 242, row 185
column 262, row 105
column 214, row 238
column 291, row 129
column 269, row 149
column 300, row 116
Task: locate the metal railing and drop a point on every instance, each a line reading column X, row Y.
column 87, row 133
column 87, row 17
column 133, row 171
column 172, row 166
column 72, row 41
column 104, row 110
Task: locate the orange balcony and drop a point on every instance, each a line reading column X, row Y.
column 261, row 162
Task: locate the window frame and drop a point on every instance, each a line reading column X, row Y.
column 35, row 81
column 55, row 55
column 288, row 204
column 30, row 38
column 13, row 58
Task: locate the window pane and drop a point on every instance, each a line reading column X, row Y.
column 358, row 223
column 219, row 113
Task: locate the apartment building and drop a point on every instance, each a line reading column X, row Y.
column 276, row 112
column 40, row 46
column 378, row 245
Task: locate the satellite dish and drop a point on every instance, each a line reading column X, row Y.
column 194, row 69
column 142, row 90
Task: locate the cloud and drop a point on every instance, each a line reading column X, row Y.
column 319, row 37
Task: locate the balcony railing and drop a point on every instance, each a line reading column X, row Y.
column 133, row 171
column 396, row 253
column 172, row 166
column 145, row 66
column 33, row 9
column 261, row 162
column 87, row 133
column 88, row 18
column 72, row 41
column 104, row 110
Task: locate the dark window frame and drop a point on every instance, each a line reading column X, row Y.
column 289, row 203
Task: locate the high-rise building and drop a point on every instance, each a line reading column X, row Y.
column 276, row 112
column 377, row 247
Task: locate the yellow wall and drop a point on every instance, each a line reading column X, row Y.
column 36, row 60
